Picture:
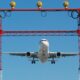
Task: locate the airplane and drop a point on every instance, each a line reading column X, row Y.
column 43, row 54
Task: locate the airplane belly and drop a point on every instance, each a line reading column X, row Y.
column 43, row 52
column 43, row 57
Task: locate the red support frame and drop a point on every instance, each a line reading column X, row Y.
column 48, row 32
column 79, row 36
column 0, row 43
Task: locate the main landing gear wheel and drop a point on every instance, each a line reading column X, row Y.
column 52, row 62
column 33, row 61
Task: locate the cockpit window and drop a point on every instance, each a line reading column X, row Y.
column 43, row 40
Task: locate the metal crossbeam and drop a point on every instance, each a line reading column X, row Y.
column 41, row 33
column 40, row 9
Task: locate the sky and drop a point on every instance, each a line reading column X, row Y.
column 19, row 68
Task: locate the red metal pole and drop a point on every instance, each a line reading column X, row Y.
column 0, row 47
column 0, row 41
column 79, row 36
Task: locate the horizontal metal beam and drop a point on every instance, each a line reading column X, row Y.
column 40, row 9
column 41, row 33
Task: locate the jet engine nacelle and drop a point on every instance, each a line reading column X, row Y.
column 58, row 54
column 28, row 54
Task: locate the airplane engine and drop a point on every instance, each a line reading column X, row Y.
column 28, row 53
column 58, row 54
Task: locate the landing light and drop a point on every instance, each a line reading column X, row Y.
column 12, row 4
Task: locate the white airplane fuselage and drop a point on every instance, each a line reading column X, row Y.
column 44, row 50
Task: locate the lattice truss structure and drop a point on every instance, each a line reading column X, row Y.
column 41, row 32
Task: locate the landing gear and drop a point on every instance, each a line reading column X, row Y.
column 33, row 61
column 53, row 62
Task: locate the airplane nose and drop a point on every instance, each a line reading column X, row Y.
column 44, row 43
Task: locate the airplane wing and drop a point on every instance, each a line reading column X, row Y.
column 28, row 54
column 61, row 54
